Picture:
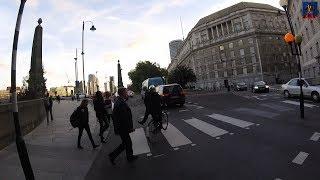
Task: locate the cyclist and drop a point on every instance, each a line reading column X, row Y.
column 155, row 105
column 147, row 103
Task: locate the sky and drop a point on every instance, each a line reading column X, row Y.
column 127, row 30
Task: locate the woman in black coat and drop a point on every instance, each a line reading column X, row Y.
column 101, row 113
column 83, row 115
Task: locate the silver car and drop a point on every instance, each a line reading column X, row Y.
column 292, row 88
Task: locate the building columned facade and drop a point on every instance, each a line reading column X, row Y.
column 242, row 43
column 309, row 30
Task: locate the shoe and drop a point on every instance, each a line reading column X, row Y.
column 132, row 158
column 95, row 146
column 141, row 122
column 80, row 147
column 111, row 160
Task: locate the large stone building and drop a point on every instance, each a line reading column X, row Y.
column 309, row 29
column 242, row 43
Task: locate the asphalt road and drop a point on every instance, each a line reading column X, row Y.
column 236, row 135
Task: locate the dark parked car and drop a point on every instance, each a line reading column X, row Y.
column 241, row 86
column 260, row 86
column 171, row 94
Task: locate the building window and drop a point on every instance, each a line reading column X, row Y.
column 253, row 58
column 311, row 53
column 225, row 74
column 312, row 27
column 230, row 45
column 241, row 52
column 252, row 51
column 232, row 54
column 215, row 66
column 245, row 70
column 254, row 69
column 233, row 63
column 224, row 64
column 240, row 43
column 314, row 71
column 317, row 46
column 216, row 74
column 234, row 72
column 250, row 41
column 306, row 57
column 221, row 48
column 307, row 33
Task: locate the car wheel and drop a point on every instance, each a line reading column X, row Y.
column 315, row 96
column 286, row 94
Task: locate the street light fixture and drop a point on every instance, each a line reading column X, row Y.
column 295, row 44
column 82, row 53
column 21, row 146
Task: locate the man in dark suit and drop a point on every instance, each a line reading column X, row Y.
column 123, row 125
column 48, row 103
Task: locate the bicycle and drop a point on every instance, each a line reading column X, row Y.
column 154, row 127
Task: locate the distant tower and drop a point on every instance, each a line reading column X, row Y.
column 174, row 47
column 120, row 83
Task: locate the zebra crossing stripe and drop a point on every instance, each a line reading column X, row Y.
column 230, row 120
column 298, row 103
column 207, row 128
column 315, row 136
column 174, row 137
column 300, row 158
column 139, row 142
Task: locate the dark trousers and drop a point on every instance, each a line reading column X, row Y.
column 49, row 110
column 145, row 118
column 104, row 124
column 125, row 145
column 87, row 128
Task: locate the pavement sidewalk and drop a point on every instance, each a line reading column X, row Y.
column 52, row 149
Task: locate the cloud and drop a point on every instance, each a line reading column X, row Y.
column 160, row 7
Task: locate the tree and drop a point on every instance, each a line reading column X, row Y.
column 182, row 75
column 36, row 84
column 143, row 71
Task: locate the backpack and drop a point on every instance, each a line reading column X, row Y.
column 74, row 119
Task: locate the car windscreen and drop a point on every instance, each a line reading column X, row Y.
column 260, row 83
column 155, row 81
column 173, row 90
column 241, row 84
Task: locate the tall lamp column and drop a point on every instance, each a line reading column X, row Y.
column 295, row 44
column 82, row 53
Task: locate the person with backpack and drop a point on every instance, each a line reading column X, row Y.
column 101, row 113
column 82, row 115
column 123, row 126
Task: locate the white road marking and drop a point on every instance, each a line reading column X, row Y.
column 149, row 154
column 183, row 110
column 300, row 158
column 277, row 107
column 207, row 128
column 193, row 144
column 230, row 120
column 139, row 142
column 174, row 137
column 315, row 136
column 175, row 149
column 196, row 106
column 298, row 103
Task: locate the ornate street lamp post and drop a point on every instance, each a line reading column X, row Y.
column 82, row 53
column 21, row 146
column 295, row 44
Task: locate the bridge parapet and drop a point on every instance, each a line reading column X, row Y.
column 31, row 114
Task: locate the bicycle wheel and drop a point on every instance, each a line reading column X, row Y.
column 165, row 120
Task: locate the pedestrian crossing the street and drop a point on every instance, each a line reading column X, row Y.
column 176, row 138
